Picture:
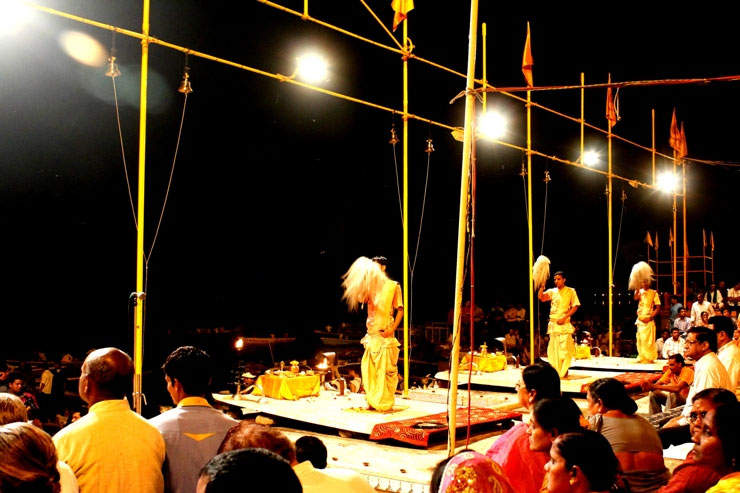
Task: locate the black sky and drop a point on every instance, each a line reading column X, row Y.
column 277, row 189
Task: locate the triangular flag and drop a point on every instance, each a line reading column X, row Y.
column 401, row 8
column 656, row 241
column 683, row 148
column 670, row 237
column 711, row 239
column 675, row 139
column 648, row 239
column 527, row 60
column 612, row 113
column 704, row 237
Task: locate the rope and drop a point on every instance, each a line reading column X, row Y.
column 123, row 154
column 619, row 235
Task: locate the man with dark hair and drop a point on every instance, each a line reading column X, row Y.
column 193, row 430
column 111, row 449
column 16, row 387
column 672, row 388
column 311, row 448
column 674, row 345
column 246, row 470
column 563, row 304
column 727, row 352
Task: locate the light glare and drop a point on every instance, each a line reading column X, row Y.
column 312, row 68
column 590, row 158
column 667, row 182
column 13, row 16
column 492, row 125
column 83, row 48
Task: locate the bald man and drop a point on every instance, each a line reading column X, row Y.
column 111, row 449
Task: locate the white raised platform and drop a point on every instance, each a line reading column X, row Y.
column 613, row 363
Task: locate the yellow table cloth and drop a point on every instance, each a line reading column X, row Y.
column 487, row 363
column 288, row 388
column 583, row 352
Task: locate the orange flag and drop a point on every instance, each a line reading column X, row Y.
column 675, row 138
column 704, row 237
column 683, row 148
column 612, row 114
column 656, row 241
column 648, row 239
column 527, row 60
column 401, row 7
column 670, row 237
column 711, row 239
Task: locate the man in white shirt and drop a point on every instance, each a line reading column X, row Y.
column 674, row 345
column 682, row 323
column 728, row 353
column 665, row 335
column 700, row 305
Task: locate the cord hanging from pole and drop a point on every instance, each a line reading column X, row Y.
column 623, row 198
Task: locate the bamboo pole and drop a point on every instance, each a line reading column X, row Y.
column 610, row 274
column 685, row 245
column 462, row 224
column 675, row 235
column 529, row 228
column 140, row 294
column 406, row 265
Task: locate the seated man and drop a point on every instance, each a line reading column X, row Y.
column 672, row 388
column 674, row 345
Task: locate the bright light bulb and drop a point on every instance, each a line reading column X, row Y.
column 83, row 48
column 667, row 182
column 590, row 158
column 13, row 17
column 492, row 125
column 312, row 68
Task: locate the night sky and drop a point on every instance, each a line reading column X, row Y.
column 277, row 189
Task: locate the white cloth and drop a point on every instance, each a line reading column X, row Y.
column 67, row 479
column 330, row 480
column 729, row 355
column 697, row 308
column 671, row 347
column 709, row 373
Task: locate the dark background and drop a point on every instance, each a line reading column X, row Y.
column 277, row 189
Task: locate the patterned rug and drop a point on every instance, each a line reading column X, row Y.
column 632, row 380
column 417, row 431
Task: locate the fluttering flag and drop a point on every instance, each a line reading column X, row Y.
column 670, row 237
column 704, row 237
column 683, row 148
column 401, row 8
column 675, row 138
column 711, row 239
column 656, row 241
column 527, row 60
column 648, row 239
column 612, row 111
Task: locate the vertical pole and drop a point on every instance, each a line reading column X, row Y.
column 140, row 295
column 675, row 234
column 653, row 150
column 462, row 223
column 609, row 225
column 685, row 244
column 405, row 210
column 529, row 227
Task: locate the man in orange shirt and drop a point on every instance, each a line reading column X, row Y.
column 672, row 388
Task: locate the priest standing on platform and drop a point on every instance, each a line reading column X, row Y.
column 563, row 304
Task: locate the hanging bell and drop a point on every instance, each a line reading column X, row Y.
column 394, row 138
column 547, row 177
column 430, row 147
column 185, row 86
column 112, row 68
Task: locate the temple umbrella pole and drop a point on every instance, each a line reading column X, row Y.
column 140, row 295
column 462, row 223
column 405, row 211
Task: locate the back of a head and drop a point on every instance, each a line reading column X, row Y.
column 542, row 378
column 29, row 459
column 12, row 409
column 723, row 324
column 111, row 370
column 473, row 471
column 251, row 435
column 248, row 469
column 613, row 395
column 593, row 455
column 561, row 414
column 312, row 449
column 191, row 367
column 716, row 396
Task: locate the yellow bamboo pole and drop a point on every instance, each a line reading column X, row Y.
column 140, row 295
column 685, row 245
column 468, row 135
column 653, row 154
column 609, row 225
column 405, row 213
column 530, row 242
column 675, row 234
column 485, row 79
column 583, row 114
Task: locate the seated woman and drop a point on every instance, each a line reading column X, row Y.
column 523, row 467
column 469, row 471
column 633, row 439
column 551, row 418
column 581, row 462
column 688, row 476
column 719, row 446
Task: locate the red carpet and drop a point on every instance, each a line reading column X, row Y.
column 632, row 380
column 417, row 431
